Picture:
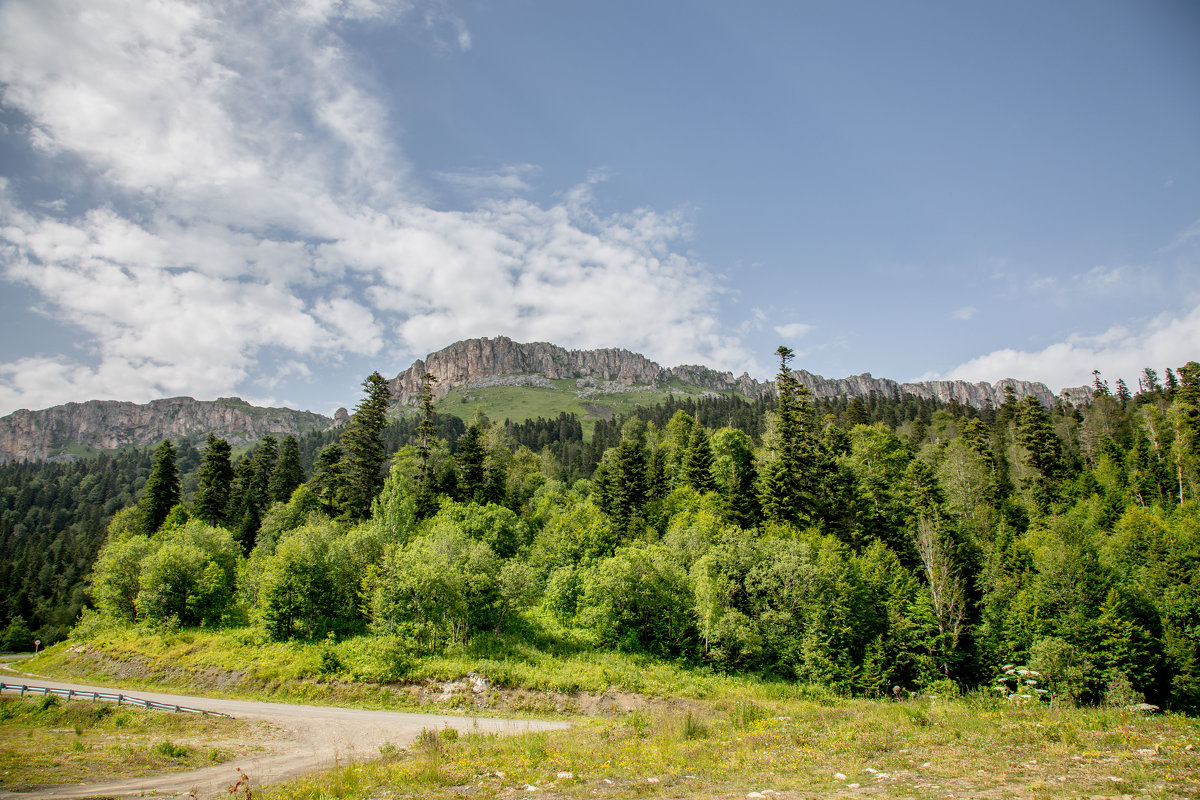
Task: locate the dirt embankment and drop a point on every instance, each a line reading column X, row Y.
column 471, row 693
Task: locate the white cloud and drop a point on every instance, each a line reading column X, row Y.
column 1169, row 340
column 258, row 207
column 509, row 180
column 964, row 313
column 793, row 330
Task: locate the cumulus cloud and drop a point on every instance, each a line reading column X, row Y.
column 1169, row 340
column 252, row 202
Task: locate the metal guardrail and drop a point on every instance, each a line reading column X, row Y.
column 119, row 699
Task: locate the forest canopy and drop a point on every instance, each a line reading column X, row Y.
column 862, row 543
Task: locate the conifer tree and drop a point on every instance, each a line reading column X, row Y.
column 214, row 485
column 470, row 458
column 363, row 445
column 288, row 473
column 328, row 483
column 161, row 493
column 698, row 461
column 1148, row 383
column 426, row 431
column 789, row 491
column 265, row 457
column 245, row 514
column 1035, row 434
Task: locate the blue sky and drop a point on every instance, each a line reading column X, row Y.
column 273, row 200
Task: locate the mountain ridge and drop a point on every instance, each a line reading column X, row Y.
column 49, row 434
column 471, row 360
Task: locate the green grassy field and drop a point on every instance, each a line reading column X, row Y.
column 47, row 741
column 925, row 748
column 519, row 403
column 648, row 728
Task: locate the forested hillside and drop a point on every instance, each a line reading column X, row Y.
column 861, row 544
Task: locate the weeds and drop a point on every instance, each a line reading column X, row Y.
column 171, row 750
column 69, row 742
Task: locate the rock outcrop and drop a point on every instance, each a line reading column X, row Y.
column 478, row 361
column 110, row 425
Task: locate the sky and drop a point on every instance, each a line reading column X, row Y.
column 273, row 200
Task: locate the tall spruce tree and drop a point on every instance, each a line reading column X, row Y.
column 698, row 461
column 426, row 432
column 789, row 491
column 161, row 493
column 471, row 459
column 1037, row 436
column 214, row 482
column 288, row 473
column 363, row 445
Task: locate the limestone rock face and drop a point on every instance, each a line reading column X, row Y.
column 479, row 360
column 476, row 359
column 110, row 424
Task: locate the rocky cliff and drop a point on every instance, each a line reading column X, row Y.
column 109, row 425
column 479, row 360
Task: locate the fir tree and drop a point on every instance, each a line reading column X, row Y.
column 328, row 482
column 214, row 482
column 698, row 461
column 161, row 493
column 1035, row 434
column 789, row 491
column 363, row 445
column 470, row 458
column 288, row 473
column 426, row 430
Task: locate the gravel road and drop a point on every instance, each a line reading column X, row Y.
column 315, row 737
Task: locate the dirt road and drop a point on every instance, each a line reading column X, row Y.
column 315, row 737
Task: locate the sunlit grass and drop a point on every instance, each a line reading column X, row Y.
column 48, row 741
column 243, row 663
column 723, row 748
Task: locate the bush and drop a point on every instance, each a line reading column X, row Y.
column 639, row 600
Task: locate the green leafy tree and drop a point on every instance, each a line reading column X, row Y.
column 735, row 474
column 438, row 589
column 214, row 485
column 17, row 637
column 161, row 492
column 189, row 576
column 293, row 591
column 639, row 600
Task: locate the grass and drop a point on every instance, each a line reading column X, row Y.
column 46, row 741
column 645, row 727
column 519, row 403
column 544, row 674
column 976, row 747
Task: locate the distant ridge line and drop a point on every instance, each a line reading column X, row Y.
column 477, row 359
